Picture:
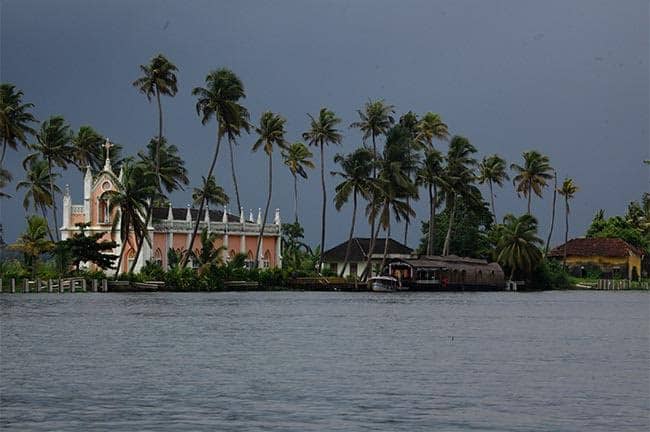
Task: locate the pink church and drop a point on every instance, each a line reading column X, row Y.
column 170, row 227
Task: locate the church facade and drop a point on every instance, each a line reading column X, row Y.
column 169, row 228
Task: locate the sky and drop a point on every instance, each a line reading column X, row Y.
column 568, row 78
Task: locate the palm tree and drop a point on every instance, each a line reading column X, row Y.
column 271, row 133
column 53, row 144
column 172, row 175
column 38, row 192
column 376, row 119
column 459, row 174
column 550, row 231
column 411, row 147
column 158, row 77
column 322, row 132
column 568, row 191
column 232, row 131
column 32, row 242
column 14, row 118
column 532, row 176
column 218, row 99
column 209, row 193
column 394, row 183
column 297, row 157
column 492, row 170
column 129, row 205
column 87, row 148
column 518, row 246
column 208, row 255
column 429, row 127
column 430, row 174
column 356, row 172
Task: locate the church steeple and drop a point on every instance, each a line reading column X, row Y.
column 107, row 163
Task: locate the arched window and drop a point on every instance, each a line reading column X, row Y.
column 158, row 256
column 267, row 259
column 103, row 216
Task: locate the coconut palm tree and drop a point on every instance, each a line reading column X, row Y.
column 411, row 147
column 568, row 191
column 129, row 205
column 210, row 193
column 395, row 183
column 429, row 127
column 459, row 184
column 550, row 231
column 323, row 131
column 532, row 176
column 271, row 134
column 518, row 246
column 208, row 255
column 232, row 131
column 297, row 157
column 53, row 144
column 431, row 174
column 219, row 99
column 14, row 118
column 356, row 172
column 5, row 178
column 492, row 170
column 172, row 175
column 87, row 148
column 158, row 78
column 33, row 242
column 37, row 188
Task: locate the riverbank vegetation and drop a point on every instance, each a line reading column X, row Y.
column 401, row 159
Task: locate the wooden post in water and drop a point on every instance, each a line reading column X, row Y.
column 83, row 285
column 72, row 285
column 13, row 285
column 25, row 286
column 0, row 284
column 38, row 285
column 60, row 285
column 49, row 285
column 94, row 285
column 104, row 285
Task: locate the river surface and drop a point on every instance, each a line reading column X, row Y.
column 307, row 361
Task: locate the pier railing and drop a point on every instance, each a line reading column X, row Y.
column 58, row 285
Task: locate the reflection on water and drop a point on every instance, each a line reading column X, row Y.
column 554, row 361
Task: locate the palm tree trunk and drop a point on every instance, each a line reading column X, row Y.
column 494, row 213
column 4, row 149
column 374, row 176
column 406, row 224
column 266, row 211
column 322, row 229
column 295, row 198
column 119, row 260
column 371, row 248
column 49, row 230
column 56, row 222
column 530, row 190
column 354, row 218
column 550, row 232
column 383, row 258
column 566, row 229
column 234, row 175
column 445, row 249
column 186, row 256
column 432, row 213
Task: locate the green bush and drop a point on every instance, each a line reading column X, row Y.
column 47, row 269
column 152, row 271
column 184, row 279
column 550, row 275
column 13, row 269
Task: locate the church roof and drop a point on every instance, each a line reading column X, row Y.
column 180, row 213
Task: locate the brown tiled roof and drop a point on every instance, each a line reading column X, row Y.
column 359, row 249
column 609, row 247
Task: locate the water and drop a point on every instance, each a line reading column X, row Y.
column 294, row 361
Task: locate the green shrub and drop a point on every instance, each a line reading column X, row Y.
column 13, row 269
column 183, row 279
column 550, row 275
column 152, row 271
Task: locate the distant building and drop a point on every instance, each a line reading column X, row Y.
column 170, row 227
column 613, row 257
column 334, row 257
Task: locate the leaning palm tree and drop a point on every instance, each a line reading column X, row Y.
column 33, row 243
column 297, row 157
column 208, row 255
column 356, row 172
column 532, row 176
column 209, row 193
column 518, row 246
column 158, row 78
column 323, row 131
column 37, row 189
column 271, row 134
column 232, row 131
column 53, row 144
column 568, row 191
column 492, row 170
column 429, row 127
column 219, row 99
column 550, row 231
column 87, row 148
column 5, row 178
column 431, row 174
column 129, row 205
column 172, row 176
column 14, row 118
column 459, row 183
